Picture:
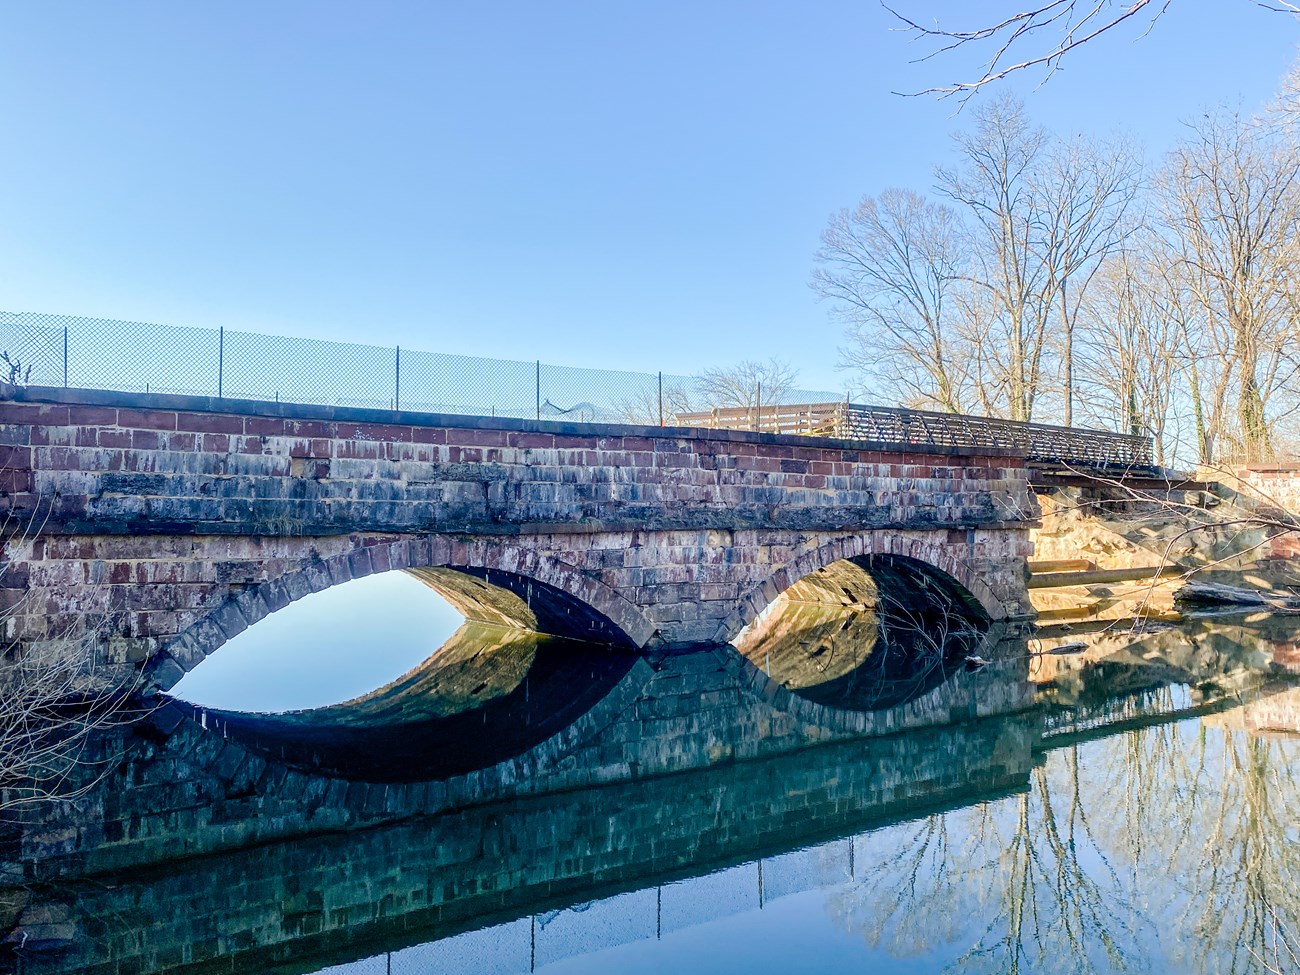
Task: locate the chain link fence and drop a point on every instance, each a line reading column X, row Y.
column 96, row 353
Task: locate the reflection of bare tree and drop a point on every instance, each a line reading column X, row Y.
column 1021, row 881
column 1176, row 840
column 1243, row 888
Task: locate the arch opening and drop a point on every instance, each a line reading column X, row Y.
column 534, row 592
column 866, row 633
column 500, row 598
column 487, row 695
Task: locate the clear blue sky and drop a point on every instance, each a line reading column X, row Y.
column 630, row 185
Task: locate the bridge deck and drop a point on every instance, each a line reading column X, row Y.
column 1040, row 442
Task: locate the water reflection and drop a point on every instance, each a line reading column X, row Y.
column 1141, row 816
column 866, row 637
column 487, row 695
column 1171, row 848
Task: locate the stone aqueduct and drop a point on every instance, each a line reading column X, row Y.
column 172, row 523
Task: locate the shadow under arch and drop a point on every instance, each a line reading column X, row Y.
column 487, row 695
column 487, row 580
column 867, row 633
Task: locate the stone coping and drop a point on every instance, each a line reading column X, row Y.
column 69, row 396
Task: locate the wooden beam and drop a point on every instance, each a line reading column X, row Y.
column 1140, row 573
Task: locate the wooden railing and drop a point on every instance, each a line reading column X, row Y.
column 1040, row 442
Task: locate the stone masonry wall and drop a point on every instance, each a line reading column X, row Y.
column 153, row 513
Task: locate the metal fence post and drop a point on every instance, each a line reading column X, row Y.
column 65, row 357
column 221, row 360
column 661, row 399
column 539, row 389
column 397, row 389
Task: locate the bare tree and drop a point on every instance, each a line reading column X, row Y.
column 648, row 406
column 1231, row 205
column 746, row 385
column 995, row 186
column 52, row 705
column 1130, row 347
column 891, row 266
column 966, row 308
column 1088, row 189
column 1017, row 39
column 58, row 689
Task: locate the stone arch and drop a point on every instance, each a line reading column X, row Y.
column 490, row 560
column 940, row 559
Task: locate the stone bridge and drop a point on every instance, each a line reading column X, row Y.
column 170, row 523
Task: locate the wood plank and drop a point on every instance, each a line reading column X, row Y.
column 1141, row 573
column 1061, row 565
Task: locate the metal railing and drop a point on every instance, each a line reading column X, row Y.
column 881, row 424
column 96, row 353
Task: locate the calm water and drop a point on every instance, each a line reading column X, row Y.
column 1130, row 808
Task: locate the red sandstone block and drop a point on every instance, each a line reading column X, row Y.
column 216, row 443
column 428, row 435
column 358, row 450
column 249, row 445
column 563, row 442
column 477, row 438
column 145, row 439
column 312, row 429
column 209, row 423
column 60, row 459
column 531, row 440
column 379, row 560
column 182, row 441
column 15, row 482
column 815, row 481
column 55, row 416
column 148, row 419
column 92, row 416
column 15, row 458
column 114, row 438
column 266, row 426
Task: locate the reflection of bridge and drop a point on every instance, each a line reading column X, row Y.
column 673, row 773
column 176, row 522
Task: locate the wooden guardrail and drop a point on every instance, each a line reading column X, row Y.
column 882, row 424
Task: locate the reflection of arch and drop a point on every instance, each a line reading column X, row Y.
column 941, row 565
column 488, row 695
column 558, row 595
column 867, row 633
